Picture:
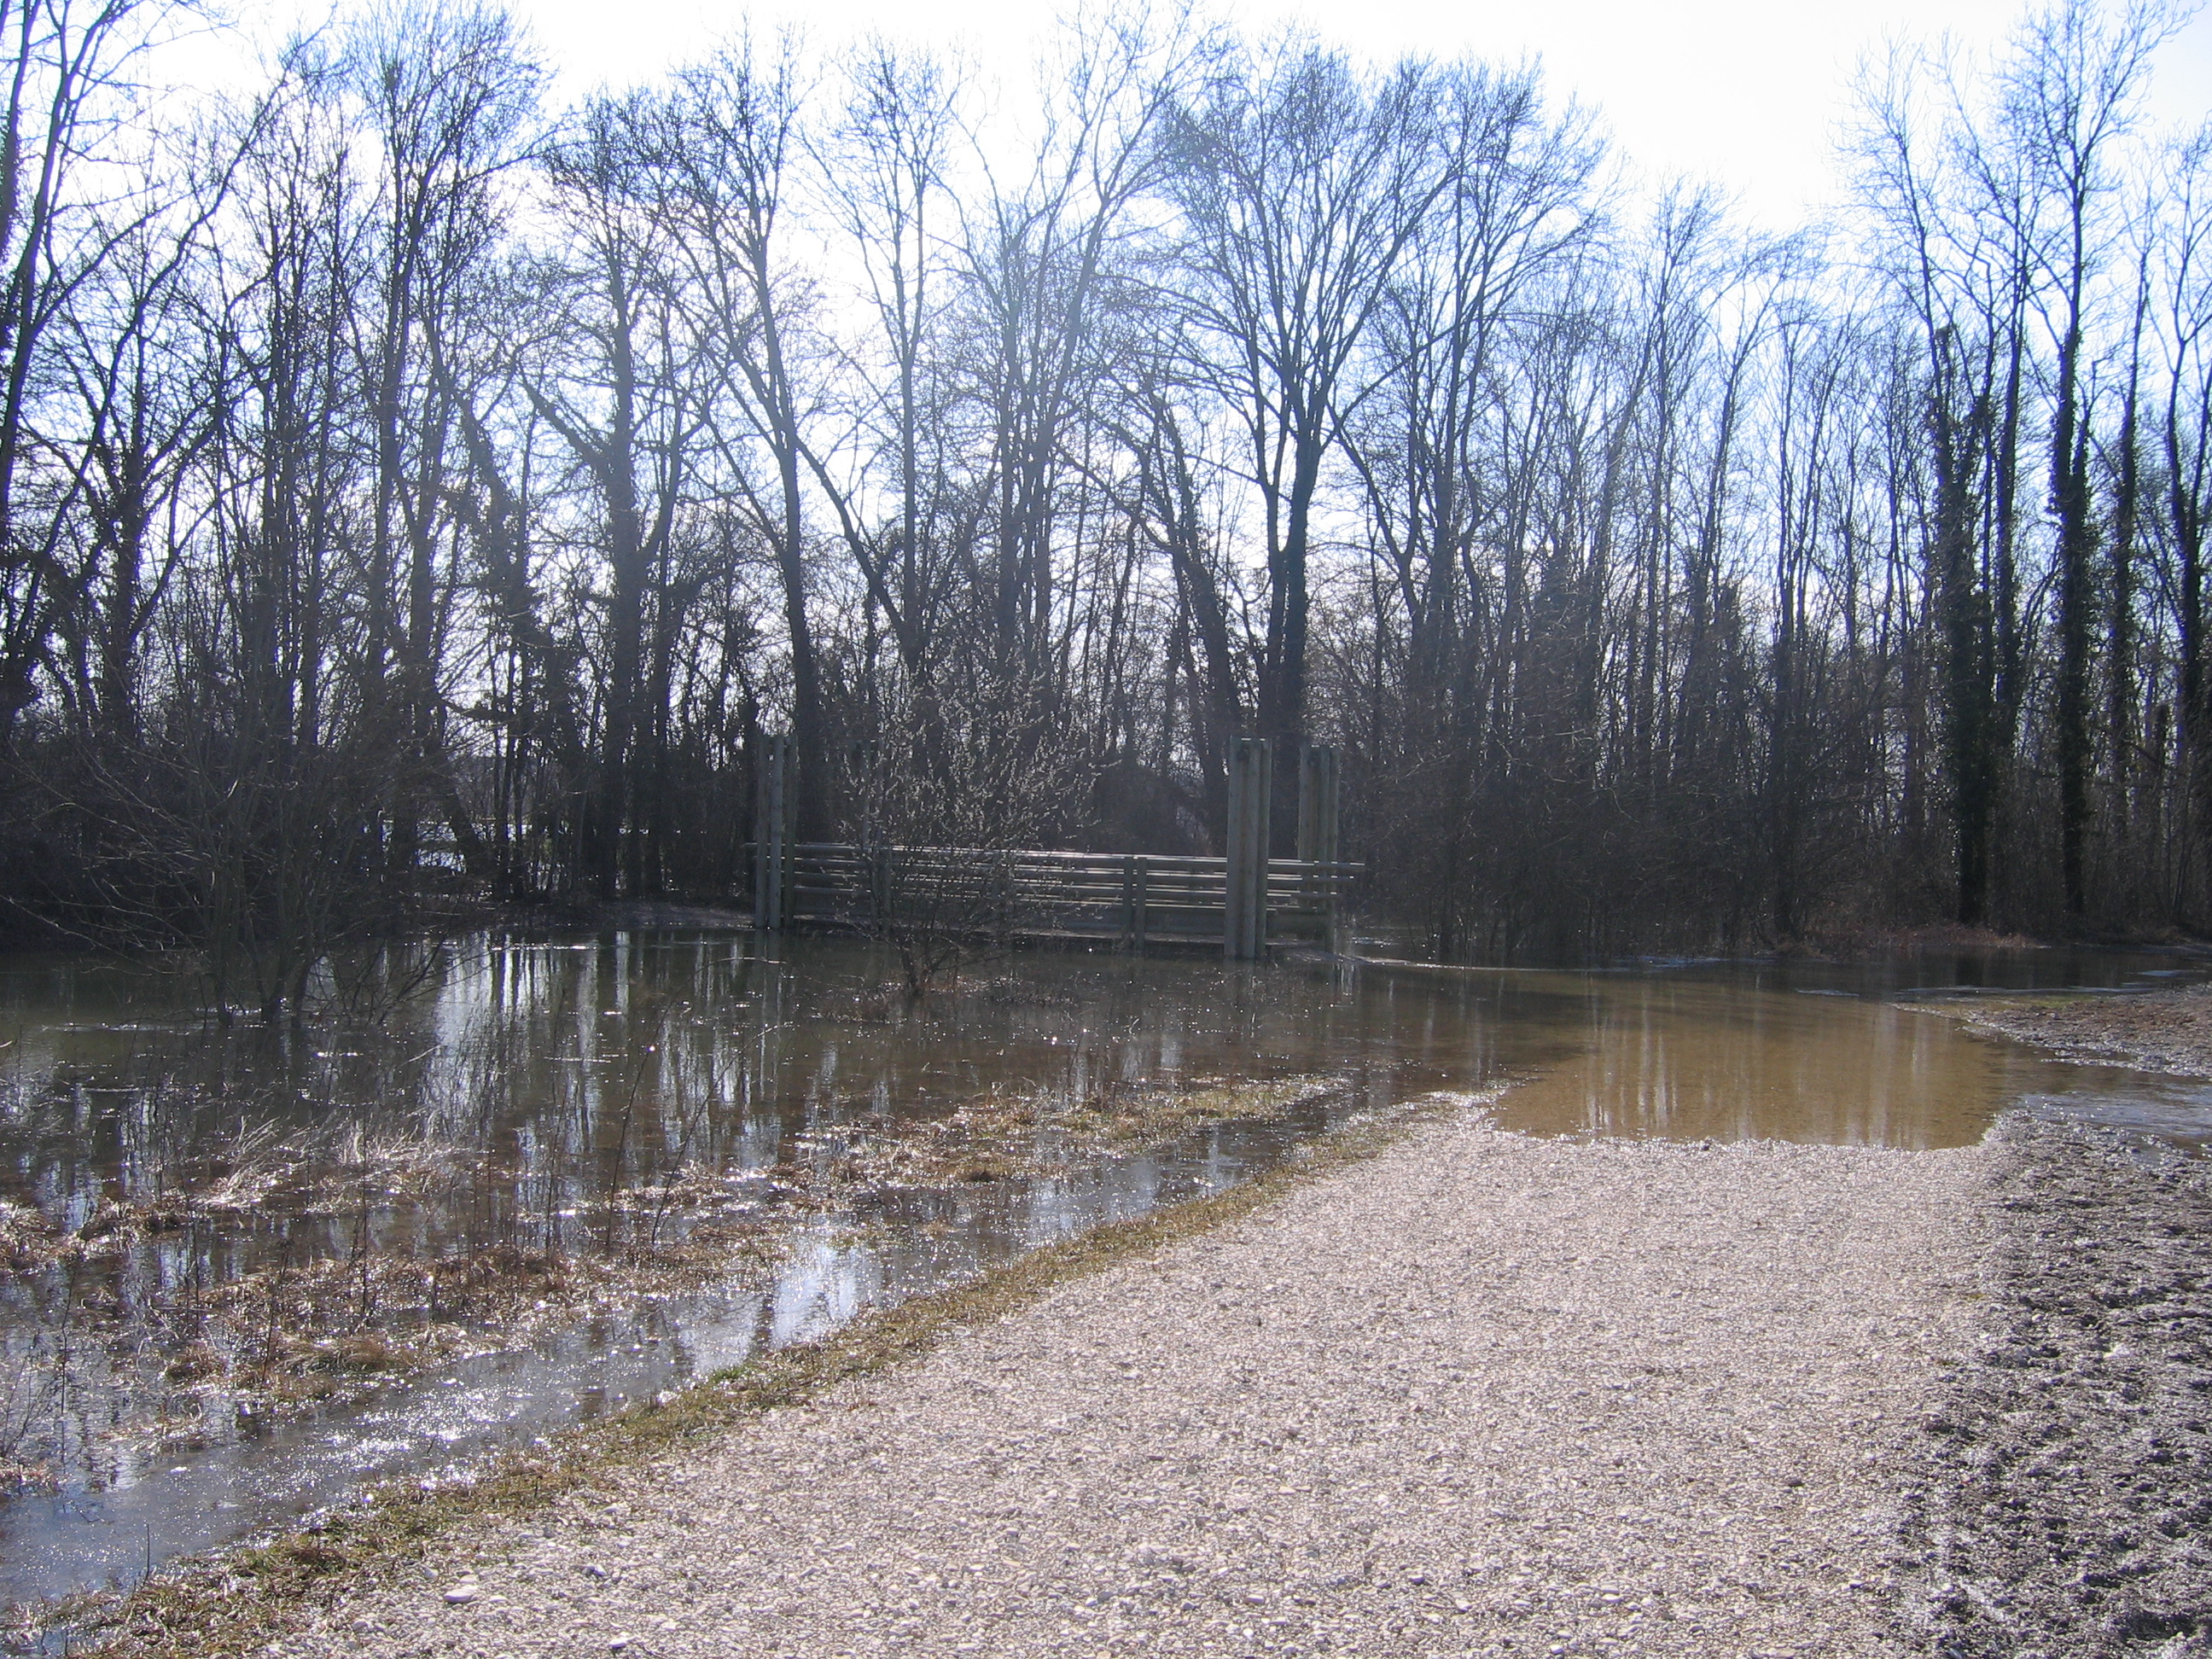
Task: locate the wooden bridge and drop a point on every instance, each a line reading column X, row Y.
column 1243, row 901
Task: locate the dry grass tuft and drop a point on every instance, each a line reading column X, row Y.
column 1002, row 1135
column 334, row 1328
column 29, row 1239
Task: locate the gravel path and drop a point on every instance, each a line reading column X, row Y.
column 1479, row 1395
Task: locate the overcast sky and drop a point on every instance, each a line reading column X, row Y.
column 1748, row 94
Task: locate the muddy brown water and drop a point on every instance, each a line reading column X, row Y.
column 549, row 1073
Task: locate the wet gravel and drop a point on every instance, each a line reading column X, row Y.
column 2063, row 1506
column 1479, row 1394
column 2167, row 1032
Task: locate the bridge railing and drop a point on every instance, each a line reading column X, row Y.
column 1131, row 898
column 1239, row 902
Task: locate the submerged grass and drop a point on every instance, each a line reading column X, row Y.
column 287, row 1336
column 244, row 1599
column 1001, row 1134
column 229, row 1339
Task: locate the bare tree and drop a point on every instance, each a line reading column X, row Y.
column 1300, row 183
column 2069, row 94
column 447, row 92
column 399, row 507
column 724, row 159
column 68, row 100
column 623, row 378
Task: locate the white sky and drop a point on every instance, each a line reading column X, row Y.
column 1748, row 94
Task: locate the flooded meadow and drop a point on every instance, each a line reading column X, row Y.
column 516, row 1182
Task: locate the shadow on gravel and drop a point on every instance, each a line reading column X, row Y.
column 2063, row 1506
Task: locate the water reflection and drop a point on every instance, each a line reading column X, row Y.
column 520, row 1093
column 1692, row 1057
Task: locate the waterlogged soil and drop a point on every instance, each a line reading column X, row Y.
column 510, row 1183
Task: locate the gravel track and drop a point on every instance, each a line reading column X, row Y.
column 1481, row 1394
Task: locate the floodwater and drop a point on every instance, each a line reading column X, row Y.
column 545, row 1081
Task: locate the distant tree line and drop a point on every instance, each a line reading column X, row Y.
column 411, row 492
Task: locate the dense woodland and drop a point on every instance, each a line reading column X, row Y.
column 412, row 494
